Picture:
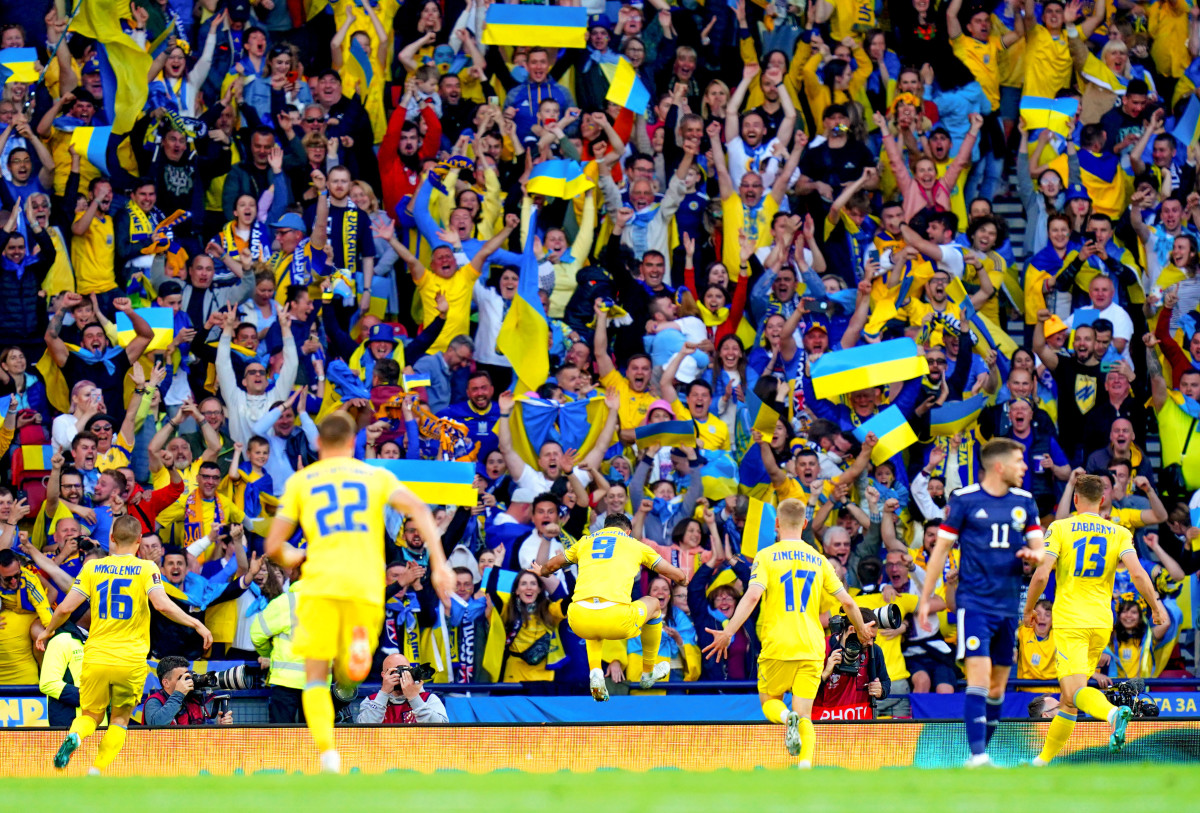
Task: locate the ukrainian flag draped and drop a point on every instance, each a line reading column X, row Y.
column 719, row 475
column 525, row 334
column 759, row 532
column 124, row 65
column 161, row 321
column 573, row 425
column 866, row 366
column 437, row 482
column 549, row 26
column 558, row 178
column 893, row 432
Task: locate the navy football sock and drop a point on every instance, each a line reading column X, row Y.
column 975, row 718
column 994, row 706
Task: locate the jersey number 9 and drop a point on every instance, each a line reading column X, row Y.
column 113, row 603
column 602, row 547
column 351, row 498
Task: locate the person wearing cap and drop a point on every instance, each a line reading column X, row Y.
column 301, row 260
column 1078, row 378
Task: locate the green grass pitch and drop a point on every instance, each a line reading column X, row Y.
column 1122, row 787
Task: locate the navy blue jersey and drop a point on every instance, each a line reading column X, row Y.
column 990, row 530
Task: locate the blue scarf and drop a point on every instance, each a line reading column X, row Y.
column 259, row 603
column 640, row 223
column 1190, row 406
column 600, row 58
column 105, row 358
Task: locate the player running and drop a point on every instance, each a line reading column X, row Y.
column 339, row 503
column 1083, row 552
column 120, row 589
column 794, row 577
column 600, row 610
column 989, row 520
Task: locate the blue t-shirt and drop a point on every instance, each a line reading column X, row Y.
column 1031, row 465
column 990, row 530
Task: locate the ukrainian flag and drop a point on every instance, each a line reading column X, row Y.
column 627, row 90
column 719, row 476
column 574, row 425
column 92, row 144
column 36, row 458
column 666, row 433
column 866, row 366
column 437, row 482
column 549, row 26
column 124, row 65
column 1055, row 115
column 893, row 431
column 361, row 60
column 525, row 334
column 18, row 65
column 557, row 178
column 1187, row 129
column 759, row 532
column 161, row 321
column 415, row 380
column 762, row 410
column 956, row 416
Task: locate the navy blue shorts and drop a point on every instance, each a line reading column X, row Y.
column 986, row 635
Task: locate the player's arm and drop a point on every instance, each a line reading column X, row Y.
column 412, row 507
column 278, row 549
column 664, row 568
column 721, row 638
column 937, row 560
column 865, row 634
column 557, row 562
column 162, row 602
column 1037, row 585
column 61, row 613
column 1141, row 580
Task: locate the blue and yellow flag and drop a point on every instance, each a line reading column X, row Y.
column 437, row 482
column 574, row 425
column 525, row 334
column 666, row 433
column 627, row 90
column 362, row 61
column 893, row 432
column 411, row 382
column 161, row 321
column 1055, row 115
column 92, row 144
column 558, row 178
column 549, row 26
column 18, row 65
column 1187, row 129
column 762, row 410
column 36, row 458
column 866, row 366
column 759, row 532
column 124, row 65
column 956, row 416
column 719, row 475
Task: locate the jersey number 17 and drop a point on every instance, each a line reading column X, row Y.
column 789, row 579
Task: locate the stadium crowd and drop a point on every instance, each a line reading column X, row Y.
column 366, row 206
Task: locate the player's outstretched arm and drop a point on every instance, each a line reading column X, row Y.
column 935, row 563
column 1141, row 580
column 1041, row 577
column 865, row 634
column 415, row 509
column 721, row 638
column 276, row 546
column 675, row 574
column 61, row 613
column 162, row 603
column 557, row 562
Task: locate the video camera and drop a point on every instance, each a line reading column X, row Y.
column 1132, row 693
column 885, row 618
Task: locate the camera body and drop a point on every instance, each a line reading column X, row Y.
column 232, row 679
column 888, row 617
column 85, row 543
column 1131, row 693
column 420, row 672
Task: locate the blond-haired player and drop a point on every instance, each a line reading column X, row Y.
column 339, row 503
column 120, row 589
column 1083, row 551
column 793, row 577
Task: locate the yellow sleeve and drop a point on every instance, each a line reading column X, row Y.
column 832, row 583
column 571, row 554
column 615, row 380
column 234, row 513
column 758, row 572
column 1124, row 542
column 37, row 597
column 152, row 580
column 582, row 247
column 289, row 503
column 907, row 603
column 748, row 52
column 54, row 666
column 492, row 207
column 171, row 514
column 1053, row 540
column 859, row 77
column 650, row 557
column 732, row 215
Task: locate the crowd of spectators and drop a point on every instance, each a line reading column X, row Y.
column 328, row 200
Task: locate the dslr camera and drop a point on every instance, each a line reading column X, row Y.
column 420, row 672
column 232, row 679
column 853, row 652
column 1132, row 693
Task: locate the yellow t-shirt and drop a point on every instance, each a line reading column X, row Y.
column 339, row 503
column 458, row 291
column 1011, row 59
column 609, row 561
column 1047, row 63
column 983, row 60
column 851, row 18
column 735, row 219
column 1088, row 549
column 118, row 588
column 795, row 579
column 94, row 256
column 1035, row 658
column 892, row 647
column 1130, row 518
column 1168, row 27
column 178, row 529
column 162, row 478
column 634, row 405
column 117, row 455
column 711, row 433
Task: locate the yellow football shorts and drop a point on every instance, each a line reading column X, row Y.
column 1078, row 650
column 776, row 678
column 101, row 682
column 596, row 620
column 325, row 626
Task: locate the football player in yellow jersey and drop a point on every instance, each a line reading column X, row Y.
column 339, row 503
column 1083, row 551
column 600, row 610
column 120, row 588
column 795, row 579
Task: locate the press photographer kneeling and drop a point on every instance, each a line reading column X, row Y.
column 402, row 699
column 854, row 677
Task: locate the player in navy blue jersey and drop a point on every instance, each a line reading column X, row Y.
column 995, row 524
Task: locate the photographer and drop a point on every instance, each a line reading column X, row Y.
column 177, row 702
column 854, row 678
column 401, row 700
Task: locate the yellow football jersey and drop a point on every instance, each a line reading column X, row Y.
column 609, row 561
column 795, row 577
column 339, row 503
column 117, row 587
column 1088, row 549
column 1035, row 660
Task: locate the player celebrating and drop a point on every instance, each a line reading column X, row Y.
column 1083, row 552
column 339, row 503
column 120, row 589
column 600, row 610
column 989, row 520
column 794, row 577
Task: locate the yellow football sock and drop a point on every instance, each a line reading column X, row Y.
column 594, row 652
column 1056, row 737
column 776, row 711
column 110, row 745
column 651, row 639
column 84, row 726
column 808, row 740
column 1094, row 702
column 318, row 711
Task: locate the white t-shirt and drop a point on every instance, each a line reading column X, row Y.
column 761, row 159
column 540, row 483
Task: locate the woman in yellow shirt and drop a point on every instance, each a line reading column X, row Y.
column 837, row 83
column 530, row 623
